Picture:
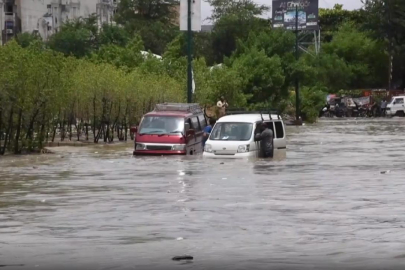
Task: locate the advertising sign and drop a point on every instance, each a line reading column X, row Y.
column 285, row 14
column 195, row 15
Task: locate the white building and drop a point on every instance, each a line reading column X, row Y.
column 47, row 16
column 9, row 20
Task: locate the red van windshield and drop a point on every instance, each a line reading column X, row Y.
column 162, row 125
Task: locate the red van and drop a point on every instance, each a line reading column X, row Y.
column 171, row 129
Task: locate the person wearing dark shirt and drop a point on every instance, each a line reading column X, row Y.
column 207, row 131
column 266, row 141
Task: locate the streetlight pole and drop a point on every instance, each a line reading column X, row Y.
column 297, row 83
column 189, row 54
column 390, row 45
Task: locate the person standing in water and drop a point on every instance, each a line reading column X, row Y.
column 266, row 141
column 383, row 107
column 207, row 131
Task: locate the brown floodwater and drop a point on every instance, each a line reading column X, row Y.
column 336, row 201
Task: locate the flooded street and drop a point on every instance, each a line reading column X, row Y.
column 337, row 201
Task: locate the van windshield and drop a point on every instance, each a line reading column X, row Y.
column 161, row 125
column 232, row 132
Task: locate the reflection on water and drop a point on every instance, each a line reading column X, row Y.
column 327, row 204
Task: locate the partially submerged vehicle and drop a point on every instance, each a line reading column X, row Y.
column 396, row 107
column 171, row 129
column 233, row 136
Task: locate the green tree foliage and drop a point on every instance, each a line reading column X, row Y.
column 364, row 56
column 234, row 20
column 331, row 19
column 43, row 93
column 77, row 38
column 26, row 39
column 153, row 20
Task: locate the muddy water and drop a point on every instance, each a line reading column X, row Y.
column 337, row 201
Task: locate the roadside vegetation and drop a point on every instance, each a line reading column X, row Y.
column 99, row 83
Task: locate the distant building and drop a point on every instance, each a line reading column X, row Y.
column 47, row 16
column 206, row 28
column 9, row 20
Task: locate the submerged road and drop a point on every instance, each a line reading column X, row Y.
column 337, row 201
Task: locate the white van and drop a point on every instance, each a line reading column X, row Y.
column 396, row 106
column 233, row 135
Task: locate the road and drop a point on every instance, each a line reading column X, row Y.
column 335, row 202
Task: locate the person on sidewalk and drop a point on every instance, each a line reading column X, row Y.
column 221, row 106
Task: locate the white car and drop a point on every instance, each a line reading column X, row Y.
column 233, row 135
column 396, row 106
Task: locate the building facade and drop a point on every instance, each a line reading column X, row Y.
column 9, row 20
column 45, row 17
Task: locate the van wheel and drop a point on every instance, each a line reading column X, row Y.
column 191, row 152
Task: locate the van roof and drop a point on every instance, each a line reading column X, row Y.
column 169, row 113
column 248, row 118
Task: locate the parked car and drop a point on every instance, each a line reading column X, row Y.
column 171, row 129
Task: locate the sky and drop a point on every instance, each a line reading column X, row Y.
column 347, row 4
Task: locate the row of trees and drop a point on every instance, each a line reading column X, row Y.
column 98, row 80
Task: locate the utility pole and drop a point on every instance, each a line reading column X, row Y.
column 297, row 83
column 390, row 45
column 189, row 54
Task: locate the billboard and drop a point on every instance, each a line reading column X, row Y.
column 284, row 14
column 195, row 15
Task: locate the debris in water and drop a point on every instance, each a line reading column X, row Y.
column 181, row 258
column 221, row 163
column 385, row 172
column 179, row 238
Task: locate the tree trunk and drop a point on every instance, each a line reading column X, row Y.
column 8, row 132
column 17, row 135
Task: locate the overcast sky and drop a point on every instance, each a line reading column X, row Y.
column 347, row 4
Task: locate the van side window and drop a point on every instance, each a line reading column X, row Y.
column 195, row 124
column 190, row 124
column 399, row 101
column 279, row 129
column 270, row 125
column 203, row 122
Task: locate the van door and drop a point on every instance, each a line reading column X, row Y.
column 399, row 106
column 256, row 144
column 279, row 136
column 194, row 143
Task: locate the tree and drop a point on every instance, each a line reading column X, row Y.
column 331, row 19
column 26, row 39
column 234, row 20
column 364, row 56
column 77, row 38
column 263, row 76
column 154, row 21
column 111, row 34
column 385, row 19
